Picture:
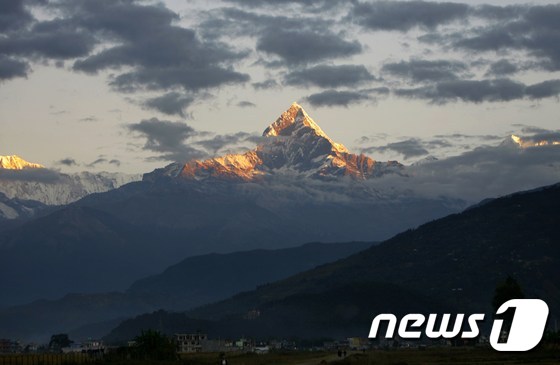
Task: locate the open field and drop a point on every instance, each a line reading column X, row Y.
column 460, row 356
column 46, row 359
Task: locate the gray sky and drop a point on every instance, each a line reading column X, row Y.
column 133, row 85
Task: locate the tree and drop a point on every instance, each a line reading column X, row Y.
column 509, row 289
column 152, row 345
column 59, row 341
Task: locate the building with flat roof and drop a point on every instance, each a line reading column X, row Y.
column 190, row 342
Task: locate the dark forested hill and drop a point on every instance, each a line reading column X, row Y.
column 192, row 282
column 454, row 263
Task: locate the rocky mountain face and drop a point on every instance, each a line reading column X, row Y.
column 293, row 143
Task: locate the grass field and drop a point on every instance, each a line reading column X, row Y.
column 46, row 359
column 461, row 356
column 437, row 356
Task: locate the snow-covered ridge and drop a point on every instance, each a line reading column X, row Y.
column 15, row 162
column 293, row 143
column 65, row 188
column 296, row 117
column 535, row 141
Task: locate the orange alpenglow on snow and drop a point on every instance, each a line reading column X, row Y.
column 294, row 143
column 533, row 142
column 17, row 163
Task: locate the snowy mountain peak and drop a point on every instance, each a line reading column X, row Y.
column 551, row 139
column 293, row 120
column 294, row 143
column 15, row 162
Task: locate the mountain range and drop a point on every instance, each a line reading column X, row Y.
column 190, row 283
column 31, row 181
column 451, row 265
column 301, row 187
column 80, row 244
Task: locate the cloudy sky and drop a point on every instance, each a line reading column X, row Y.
column 133, row 85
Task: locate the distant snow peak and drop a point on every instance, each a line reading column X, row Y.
column 66, row 189
column 293, row 120
column 426, row 160
column 294, row 143
column 528, row 142
column 15, row 162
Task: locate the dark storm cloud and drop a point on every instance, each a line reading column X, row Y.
column 534, row 29
column 190, row 79
column 172, row 103
column 331, row 98
column 60, row 45
column 494, row 12
column 409, row 148
column 10, row 68
column 317, row 4
column 102, row 160
column 542, row 137
column 163, row 55
column 145, row 48
column 484, row 137
column 405, row 15
column 377, row 91
column 57, row 39
column 478, row 91
column 531, row 129
column 327, row 76
column 301, row 47
column 246, row 104
column 88, row 119
column 167, row 139
column 492, row 39
column 264, row 85
column 437, row 143
column 13, row 15
column 544, row 39
column 67, row 162
column 97, row 162
column 220, row 142
column 177, row 141
column 32, row 175
column 501, row 68
column 141, row 38
column 544, row 89
column 426, row 71
column 230, row 22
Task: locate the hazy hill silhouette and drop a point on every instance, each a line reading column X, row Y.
column 453, row 263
